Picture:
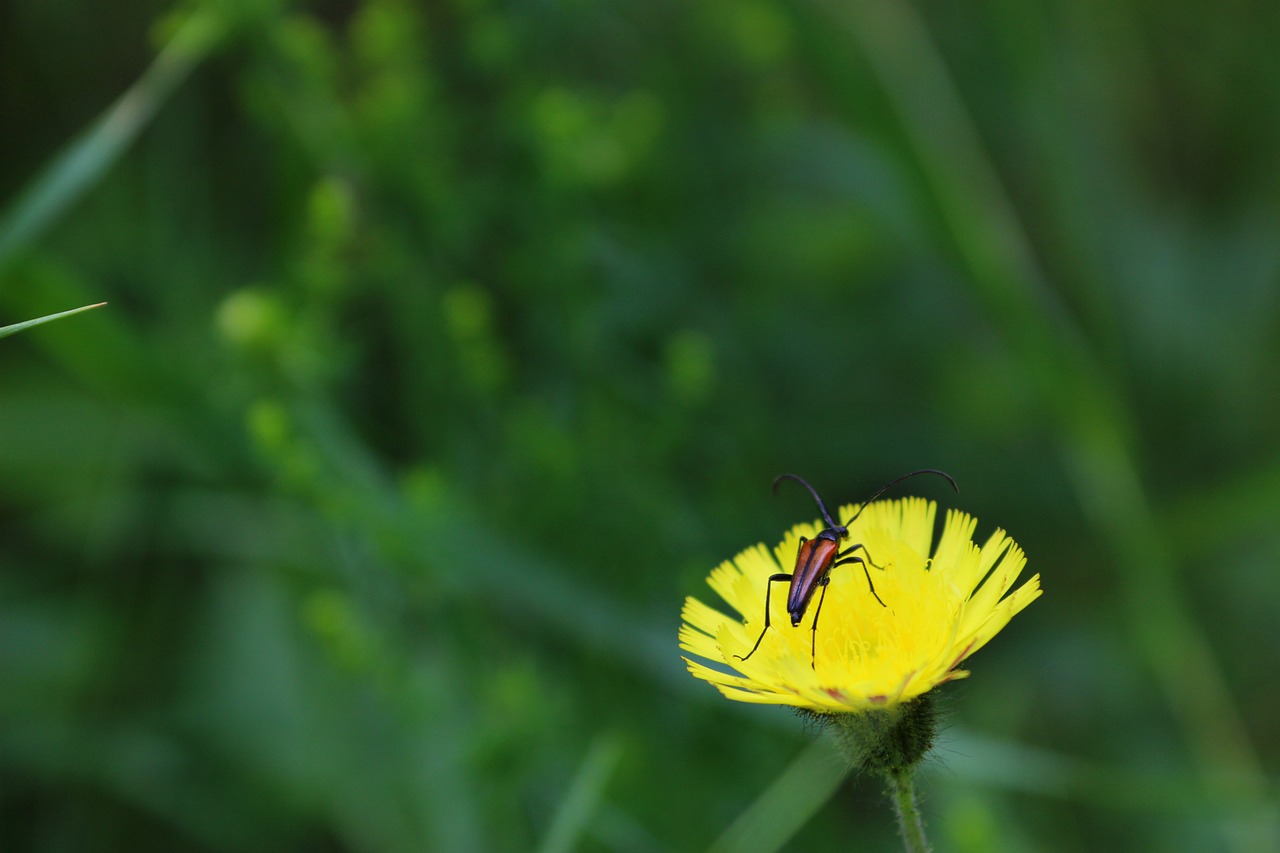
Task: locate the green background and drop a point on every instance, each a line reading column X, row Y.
column 450, row 345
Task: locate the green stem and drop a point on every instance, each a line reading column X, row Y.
column 902, row 790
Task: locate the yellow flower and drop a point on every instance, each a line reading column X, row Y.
column 937, row 611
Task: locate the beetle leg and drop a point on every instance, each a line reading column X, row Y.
column 813, row 643
column 768, row 588
column 847, row 551
column 864, row 563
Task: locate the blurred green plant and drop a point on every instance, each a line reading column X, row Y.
column 450, row 343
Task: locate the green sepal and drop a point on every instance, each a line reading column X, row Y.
column 884, row 741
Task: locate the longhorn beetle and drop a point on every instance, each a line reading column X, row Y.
column 818, row 556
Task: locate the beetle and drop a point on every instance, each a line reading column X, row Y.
column 818, row 556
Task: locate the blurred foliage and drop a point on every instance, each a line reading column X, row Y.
column 451, row 344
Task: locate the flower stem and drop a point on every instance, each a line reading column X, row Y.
column 902, row 790
column 891, row 742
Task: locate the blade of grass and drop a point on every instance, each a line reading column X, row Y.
column 788, row 804
column 1011, row 766
column 5, row 331
column 1239, row 507
column 72, row 172
column 583, row 798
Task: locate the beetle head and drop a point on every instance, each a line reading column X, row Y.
column 836, row 533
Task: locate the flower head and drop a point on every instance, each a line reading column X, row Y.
column 937, row 611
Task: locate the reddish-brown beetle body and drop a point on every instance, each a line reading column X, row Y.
column 816, row 558
column 813, row 561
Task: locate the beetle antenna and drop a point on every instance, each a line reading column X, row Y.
column 880, row 491
column 825, row 515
